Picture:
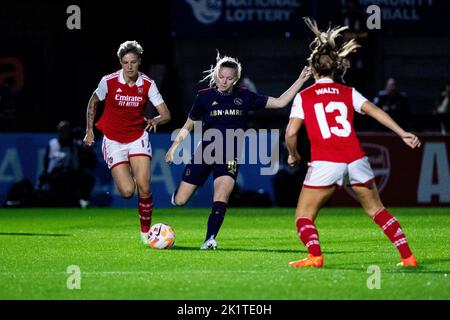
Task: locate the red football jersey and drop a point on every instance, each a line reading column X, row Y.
column 123, row 117
column 328, row 111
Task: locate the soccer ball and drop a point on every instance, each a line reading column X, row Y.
column 161, row 236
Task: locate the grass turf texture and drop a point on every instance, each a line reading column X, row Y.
column 255, row 246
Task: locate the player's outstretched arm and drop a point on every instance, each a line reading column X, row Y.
column 290, row 138
column 382, row 117
column 182, row 134
column 289, row 94
column 90, row 116
column 163, row 117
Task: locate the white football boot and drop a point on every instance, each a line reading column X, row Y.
column 210, row 244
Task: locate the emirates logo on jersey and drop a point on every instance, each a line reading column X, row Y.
column 128, row 101
column 380, row 162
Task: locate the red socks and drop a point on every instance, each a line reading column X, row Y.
column 393, row 231
column 145, row 213
column 307, row 231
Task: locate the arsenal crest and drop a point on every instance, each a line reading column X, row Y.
column 140, row 90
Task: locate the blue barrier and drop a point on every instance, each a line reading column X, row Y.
column 21, row 156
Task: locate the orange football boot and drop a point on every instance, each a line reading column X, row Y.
column 309, row 261
column 408, row 262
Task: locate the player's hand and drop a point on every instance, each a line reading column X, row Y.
column 411, row 140
column 293, row 160
column 89, row 138
column 169, row 155
column 306, row 73
column 151, row 124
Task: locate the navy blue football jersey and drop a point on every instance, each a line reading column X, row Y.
column 224, row 111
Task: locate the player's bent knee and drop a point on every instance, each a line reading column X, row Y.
column 179, row 202
column 126, row 193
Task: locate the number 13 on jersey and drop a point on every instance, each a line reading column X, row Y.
column 341, row 119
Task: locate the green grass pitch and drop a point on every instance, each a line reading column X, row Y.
column 255, row 246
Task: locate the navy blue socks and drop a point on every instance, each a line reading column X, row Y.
column 216, row 218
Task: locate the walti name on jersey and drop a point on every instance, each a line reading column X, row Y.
column 327, row 91
column 128, row 101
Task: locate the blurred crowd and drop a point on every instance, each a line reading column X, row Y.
column 67, row 179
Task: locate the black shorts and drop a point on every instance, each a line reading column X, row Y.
column 197, row 174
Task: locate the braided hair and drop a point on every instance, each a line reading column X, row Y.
column 328, row 54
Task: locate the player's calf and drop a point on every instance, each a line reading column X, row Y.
column 309, row 235
column 392, row 229
column 145, row 208
column 215, row 219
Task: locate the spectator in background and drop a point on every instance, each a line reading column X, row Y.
column 66, row 163
column 442, row 108
column 394, row 103
column 353, row 15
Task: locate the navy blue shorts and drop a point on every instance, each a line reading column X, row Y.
column 197, row 174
